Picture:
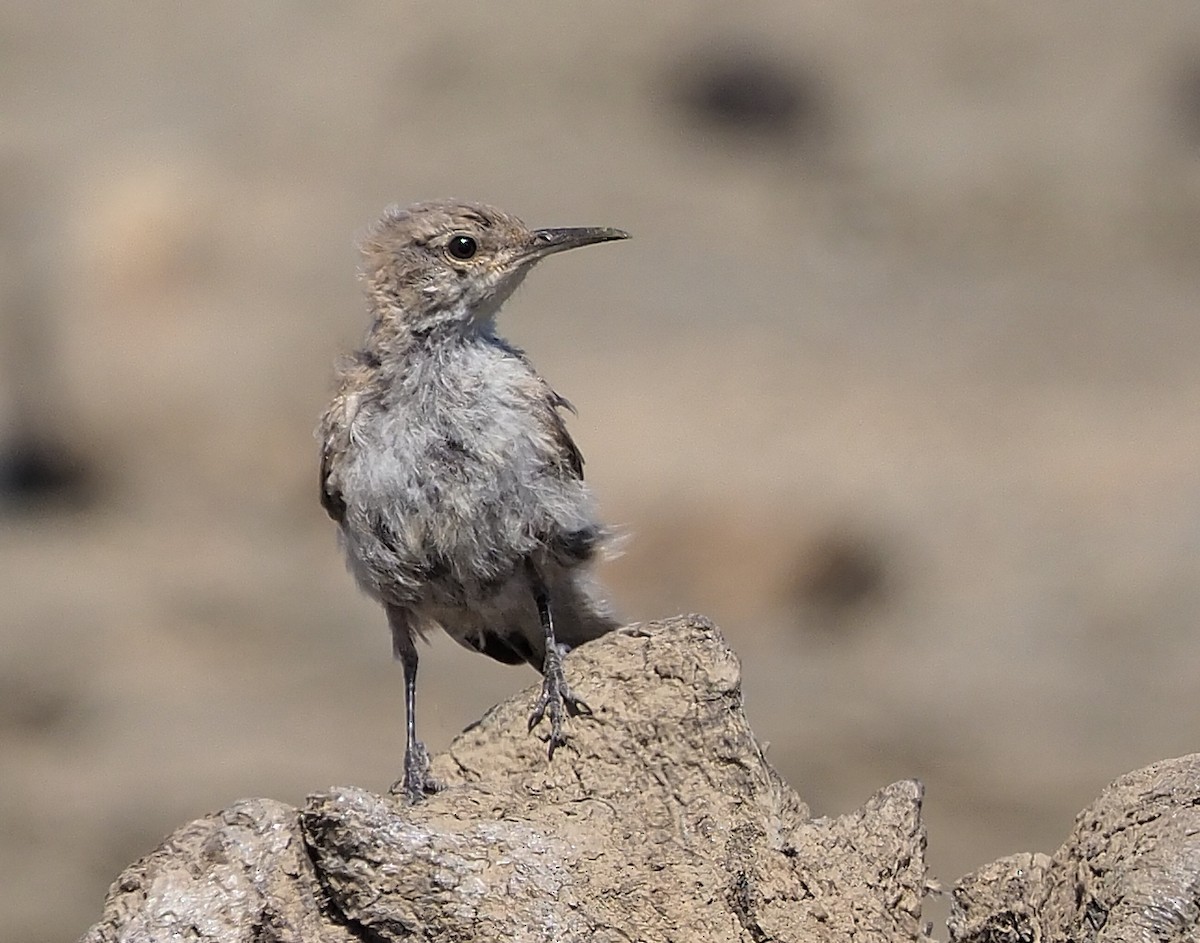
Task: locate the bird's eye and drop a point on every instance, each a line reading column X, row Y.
column 462, row 247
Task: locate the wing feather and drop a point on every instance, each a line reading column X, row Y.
column 572, row 458
column 335, row 440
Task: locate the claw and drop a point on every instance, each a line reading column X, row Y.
column 539, row 709
column 416, row 783
column 558, row 700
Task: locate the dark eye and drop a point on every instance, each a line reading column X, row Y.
column 462, row 247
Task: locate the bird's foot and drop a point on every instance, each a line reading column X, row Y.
column 416, row 783
column 557, row 699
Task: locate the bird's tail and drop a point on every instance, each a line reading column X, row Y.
column 580, row 610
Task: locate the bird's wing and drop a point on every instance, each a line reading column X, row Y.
column 335, row 439
column 331, row 495
column 568, row 458
column 571, row 458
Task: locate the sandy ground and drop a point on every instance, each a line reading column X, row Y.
column 898, row 381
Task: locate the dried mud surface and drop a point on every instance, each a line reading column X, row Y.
column 660, row 821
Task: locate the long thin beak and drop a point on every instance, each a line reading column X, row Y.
column 548, row 241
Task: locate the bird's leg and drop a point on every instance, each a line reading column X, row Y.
column 557, row 698
column 416, row 760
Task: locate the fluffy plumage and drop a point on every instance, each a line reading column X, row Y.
column 446, row 460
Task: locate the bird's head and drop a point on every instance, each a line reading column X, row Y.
column 445, row 263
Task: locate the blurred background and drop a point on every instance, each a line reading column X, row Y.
column 898, row 381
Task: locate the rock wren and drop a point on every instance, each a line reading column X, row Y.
column 447, row 464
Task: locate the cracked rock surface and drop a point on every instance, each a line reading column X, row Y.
column 1130, row 871
column 660, row 820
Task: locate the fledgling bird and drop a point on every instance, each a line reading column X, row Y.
column 447, row 463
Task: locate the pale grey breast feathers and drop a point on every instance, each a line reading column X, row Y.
column 448, row 474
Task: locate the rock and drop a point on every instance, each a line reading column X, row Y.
column 239, row 874
column 1129, row 871
column 661, row 820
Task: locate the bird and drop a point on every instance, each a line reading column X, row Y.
column 447, row 465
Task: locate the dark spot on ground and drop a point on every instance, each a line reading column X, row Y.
column 749, row 94
column 37, row 472
column 34, row 705
column 837, row 575
column 1185, row 105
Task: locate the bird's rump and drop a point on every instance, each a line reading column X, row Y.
column 505, row 626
